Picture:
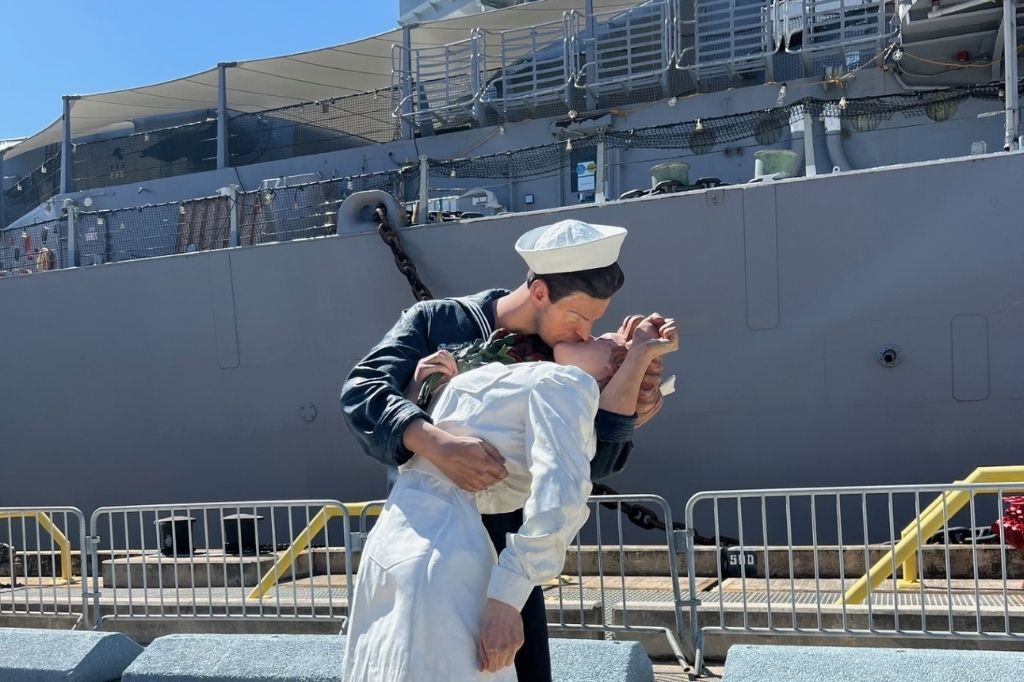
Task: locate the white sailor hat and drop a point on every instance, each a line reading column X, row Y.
column 570, row 246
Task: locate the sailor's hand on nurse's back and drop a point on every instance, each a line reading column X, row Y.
column 501, row 636
column 470, row 463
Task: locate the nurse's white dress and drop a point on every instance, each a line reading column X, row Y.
column 428, row 566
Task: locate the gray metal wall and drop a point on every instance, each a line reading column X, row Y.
column 190, row 377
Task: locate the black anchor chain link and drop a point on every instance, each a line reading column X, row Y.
column 404, row 262
column 645, row 517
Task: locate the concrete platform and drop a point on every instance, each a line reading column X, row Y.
column 746, row 663
column 311, row 658
column 240, row 658
column 585, row 661
column 30, row 655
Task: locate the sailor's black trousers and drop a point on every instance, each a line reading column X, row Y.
column 533, row 662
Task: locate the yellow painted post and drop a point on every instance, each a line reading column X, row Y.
column 905, row 548
column 301, row 542
column 65, row 547
column 930, row 520
column 46, row 524
column 1004, row 474
column 297, row 547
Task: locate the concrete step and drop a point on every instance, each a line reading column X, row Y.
column 29, row 655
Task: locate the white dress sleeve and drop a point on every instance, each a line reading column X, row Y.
column 560, row 442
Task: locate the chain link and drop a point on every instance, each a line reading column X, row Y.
column 387, row 232
column 648, row 519
column 638, row 514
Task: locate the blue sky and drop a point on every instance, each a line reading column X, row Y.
column 50, row 48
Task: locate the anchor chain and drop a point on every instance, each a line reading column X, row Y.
column 638, row 514
column 645, row 517
column 404, row 262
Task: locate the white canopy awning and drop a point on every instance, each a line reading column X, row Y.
column 259, row 84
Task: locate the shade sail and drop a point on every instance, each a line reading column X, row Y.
column 258, row 84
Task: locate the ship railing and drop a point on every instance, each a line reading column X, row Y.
column 729, row 38
column 528, row 70
column 797, row 556
column 41, row 557
column 835, row 35
column 627, row 49
column 210, row 561
column 444, row 82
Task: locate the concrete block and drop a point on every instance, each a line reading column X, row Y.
column 67, row 655
column 240, row 658
column 749, row 663
column 584, row 660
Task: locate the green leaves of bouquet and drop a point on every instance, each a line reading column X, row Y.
column 502, row 346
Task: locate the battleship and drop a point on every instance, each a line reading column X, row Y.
column 824, row 193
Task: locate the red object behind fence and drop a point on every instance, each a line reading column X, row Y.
column 1012, row 522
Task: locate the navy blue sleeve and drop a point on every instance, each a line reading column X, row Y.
column 614, row 443
column 372, row 399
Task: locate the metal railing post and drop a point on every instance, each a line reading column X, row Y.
column 809, row 167
column 74, row 258
column 1010, row 74
column 691, row 585
column 408, row 130
column 591, row 53
column 233, row 215
column 599, row 195
column 475, row 73
column 65, row 146
column 92, row 542
column 3, row 194
column 424, row 191
column 222, row 114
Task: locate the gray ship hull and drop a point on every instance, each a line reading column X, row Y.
column 215, row 375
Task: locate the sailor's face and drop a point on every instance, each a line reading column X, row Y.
column 569, row 319
column 593, row 356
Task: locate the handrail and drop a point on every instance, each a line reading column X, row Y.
column 46, row 524
column 302, row 540
column 927, row 522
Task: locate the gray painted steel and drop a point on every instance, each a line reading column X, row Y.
column 185, row 378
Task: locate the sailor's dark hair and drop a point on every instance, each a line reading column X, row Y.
column 599, row 283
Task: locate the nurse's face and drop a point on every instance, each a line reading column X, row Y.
column 569, row 319
column 593, row 356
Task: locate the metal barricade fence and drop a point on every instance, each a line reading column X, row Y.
column 607, row 587
column 824, row 562
column 42, row 565
column 213, row 560
column 604, row 588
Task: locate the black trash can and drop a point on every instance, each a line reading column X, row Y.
column 240, row 534
column 175, row 535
